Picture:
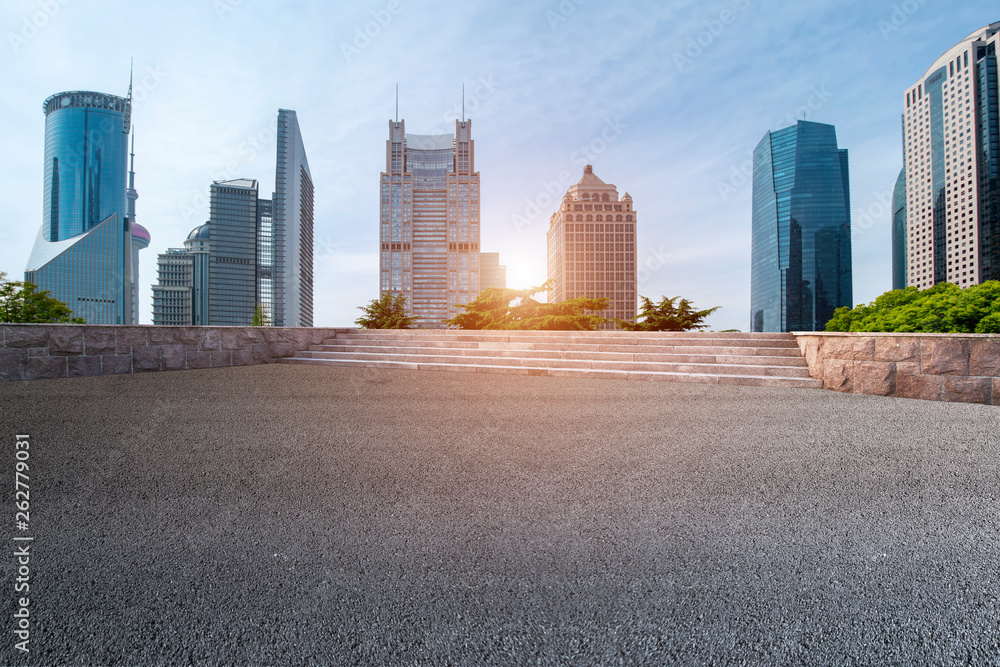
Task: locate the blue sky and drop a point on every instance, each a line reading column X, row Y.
column 666, row 99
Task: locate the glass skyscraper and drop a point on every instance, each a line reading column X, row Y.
column 801, row 253
column 951, row 143
column 429, row 231
column 84, row 251
column 899, row 232
column 286, row 286
column 232, row 266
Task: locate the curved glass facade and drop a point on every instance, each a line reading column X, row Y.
column 801, row 254
column 86, row 151
column 899, row 232
column 83, row 254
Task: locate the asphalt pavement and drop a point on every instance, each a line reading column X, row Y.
column 300, row 515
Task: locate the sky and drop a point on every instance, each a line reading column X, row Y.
column 666, row 99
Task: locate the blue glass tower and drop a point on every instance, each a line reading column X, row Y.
column 899, row 232
column 83, row 254
column 801, row 254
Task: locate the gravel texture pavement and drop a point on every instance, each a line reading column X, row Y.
column 296, row 515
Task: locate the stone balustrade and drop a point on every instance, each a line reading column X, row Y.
column 961, row 368
column 38, row 351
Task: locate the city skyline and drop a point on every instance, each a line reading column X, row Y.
column 654, row 109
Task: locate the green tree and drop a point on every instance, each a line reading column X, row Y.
column 22, row 302
column 260, row 317
column 666, row 316
column 497, row 308
column 943, row 308
column 385, row 313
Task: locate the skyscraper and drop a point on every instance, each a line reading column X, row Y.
column 83, row 254
column 429, row 231
column 801, row 243
column 232, row 266
column 899, row 232
column 951, row 140
column 180, row 296
column 287, row 249
column 592, row 245
column 492, row 272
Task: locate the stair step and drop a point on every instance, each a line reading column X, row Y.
column 711, row 366
column 700, row 378
column 694, row 354
column 610, row 345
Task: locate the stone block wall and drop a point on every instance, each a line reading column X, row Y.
column 961, row 368
column 37, row 351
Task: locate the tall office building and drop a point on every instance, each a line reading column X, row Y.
column 592, row 245
column 172, row 295
column 232, row 266
column 899, row 232
column 801, row 253
column 492, row 272
column 287, row 244
column 951, row 140
column 84, row 251
column 180, row 296
column 429, row 222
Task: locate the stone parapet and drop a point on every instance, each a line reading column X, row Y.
column 41, row 351
column 960, row 368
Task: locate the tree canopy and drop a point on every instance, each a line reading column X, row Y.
column 21, row 301
column 943, row 308
column 386, row 312
column 260, row 316
column 665, row 316
column 501, row 308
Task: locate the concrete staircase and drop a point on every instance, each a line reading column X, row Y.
column 771, row 360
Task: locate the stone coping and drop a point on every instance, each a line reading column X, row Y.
column 43, row 351
column 963, row 368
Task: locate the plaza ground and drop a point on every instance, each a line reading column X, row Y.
column 287, row 514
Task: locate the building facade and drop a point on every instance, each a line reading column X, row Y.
column 899, row 232
column 286, row 288
column 951, row 141
column 173, row 293
column 492, row 272
column 801, row 268
column 429, row 222
column 181, row 294
column 232, row 265
column 592, row 247
column 84, row 251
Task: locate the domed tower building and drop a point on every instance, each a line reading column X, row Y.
column 180, row 296
column 591, row 247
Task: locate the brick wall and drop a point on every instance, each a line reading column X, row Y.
column 961, row 368
column 36, row 351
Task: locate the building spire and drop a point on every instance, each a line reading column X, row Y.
column 131, row 195
column 127, row 119
column 463, row 102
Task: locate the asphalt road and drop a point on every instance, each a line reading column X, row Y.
column 297, row 515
